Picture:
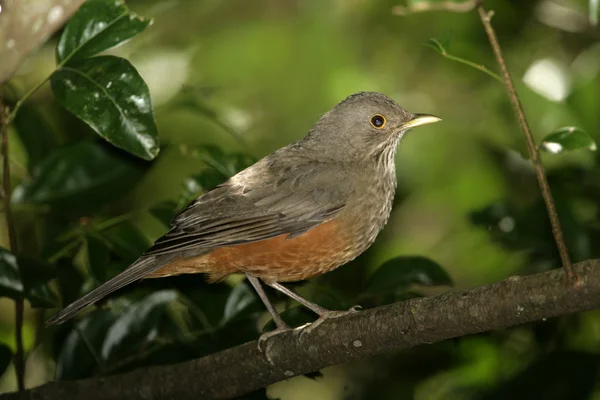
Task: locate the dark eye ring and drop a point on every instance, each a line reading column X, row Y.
column 378, row 121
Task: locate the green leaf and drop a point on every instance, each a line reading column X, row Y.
column 35, row 276
column 26, row 278
column 110, row 96
column 98, row 25
column 35, row 134
column 241, row 301
column 80, row 352
column 567, row 138
column 137, row 325
column 10, row 279
column 79, row 178
column 5, row 357
column 401, row 272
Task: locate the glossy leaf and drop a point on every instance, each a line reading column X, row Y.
column 98, row 25
column 241, row 300
column 80, row 353
column 10, row 278
column 5, row 357
column 25, row 278
column 567, row 138
column 110, row 96
column 36, row 135
column 137, row 325
column 401, row 272
column 80, row 178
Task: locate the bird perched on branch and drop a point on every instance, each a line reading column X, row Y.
column 301, row 211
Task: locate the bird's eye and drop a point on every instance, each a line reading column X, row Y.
column 378, row 121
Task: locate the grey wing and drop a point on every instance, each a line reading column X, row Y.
column 291, row 203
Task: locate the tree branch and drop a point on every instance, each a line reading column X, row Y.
column 242, row 369
column 19, row 358
column 27, row 24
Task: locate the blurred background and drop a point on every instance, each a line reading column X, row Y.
column 232, row 81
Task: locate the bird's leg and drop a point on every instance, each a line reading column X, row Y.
column 323, row 313
column 279, row 322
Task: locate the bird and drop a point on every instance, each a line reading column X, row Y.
column 297, row 213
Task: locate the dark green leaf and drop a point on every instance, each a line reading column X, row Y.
column 10, row 279
column 35, row 134
column 401, row 272
column 242, row 300
column 567, row 138
column 79, row 178
column 80, row 353
column 112, row 98
column 5, row 357
column 137, row 325
column 98, row 25
column 25, row 278
column 35, row 277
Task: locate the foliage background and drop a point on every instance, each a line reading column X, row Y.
column 250, row 77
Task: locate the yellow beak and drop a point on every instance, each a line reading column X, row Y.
column 420, row 119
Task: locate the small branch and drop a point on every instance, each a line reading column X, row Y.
column 243, row 369
column 12, row 237
column 531, row 147
column 437, row 46
column 423, row 6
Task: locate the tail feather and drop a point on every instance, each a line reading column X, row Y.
column 142, row 267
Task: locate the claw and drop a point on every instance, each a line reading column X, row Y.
column 324, row 316
column 267, row 335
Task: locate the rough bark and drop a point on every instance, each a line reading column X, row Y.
column 239, row 370
column 25, row 25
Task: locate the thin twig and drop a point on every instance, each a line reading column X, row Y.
column 531, row 147
column 19, row 359
column 437, row 46
column 423, row 6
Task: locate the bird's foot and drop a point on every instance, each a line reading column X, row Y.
column 267, row 335
column 328, row 314
column 264, row 340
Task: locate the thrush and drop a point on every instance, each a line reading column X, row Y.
column 301, row 211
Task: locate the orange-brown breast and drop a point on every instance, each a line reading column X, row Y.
column 315, row 252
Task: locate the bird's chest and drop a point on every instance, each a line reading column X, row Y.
column 372, row 210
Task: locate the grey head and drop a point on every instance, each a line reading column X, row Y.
column 363, row 126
